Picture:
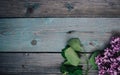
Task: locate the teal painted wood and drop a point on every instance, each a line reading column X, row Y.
column 51, row 34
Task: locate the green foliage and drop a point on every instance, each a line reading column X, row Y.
column 67, row 63
column 71, row 70
column 71, row 64
column 72, row 60
column 75, row 44
column 63, row 51
column 78, row 72
column 72, row 57
column 92, row 59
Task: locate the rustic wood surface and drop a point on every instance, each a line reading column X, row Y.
column 46, row 37
column 59, row 8
column 51, row 34
column 32, row 64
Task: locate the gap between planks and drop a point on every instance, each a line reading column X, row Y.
column 45, row 63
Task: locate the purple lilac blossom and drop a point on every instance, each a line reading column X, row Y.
column 109, row 61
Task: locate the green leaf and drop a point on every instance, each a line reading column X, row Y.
column 75, row 44
column 78, row 72
column 71, row 70
column 63, row 51
column 63, row 69
column 67, row 63
column 72, row 57
column 92, row 59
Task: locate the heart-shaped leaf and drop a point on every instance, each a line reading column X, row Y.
column 72, row 57
column 75, row 44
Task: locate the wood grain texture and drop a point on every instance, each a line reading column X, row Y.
column 51, row 34
column 59, row 8
column 32, row 64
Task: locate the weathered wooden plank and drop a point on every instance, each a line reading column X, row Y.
column 31, row 73
column 43, row 63
column 34, row 63
column 59, row 8
column 51, row 34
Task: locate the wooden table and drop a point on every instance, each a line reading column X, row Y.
column 33, row 32
column 32, row 46
column 60, row 8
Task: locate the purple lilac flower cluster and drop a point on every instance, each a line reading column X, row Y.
column 109, row 61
